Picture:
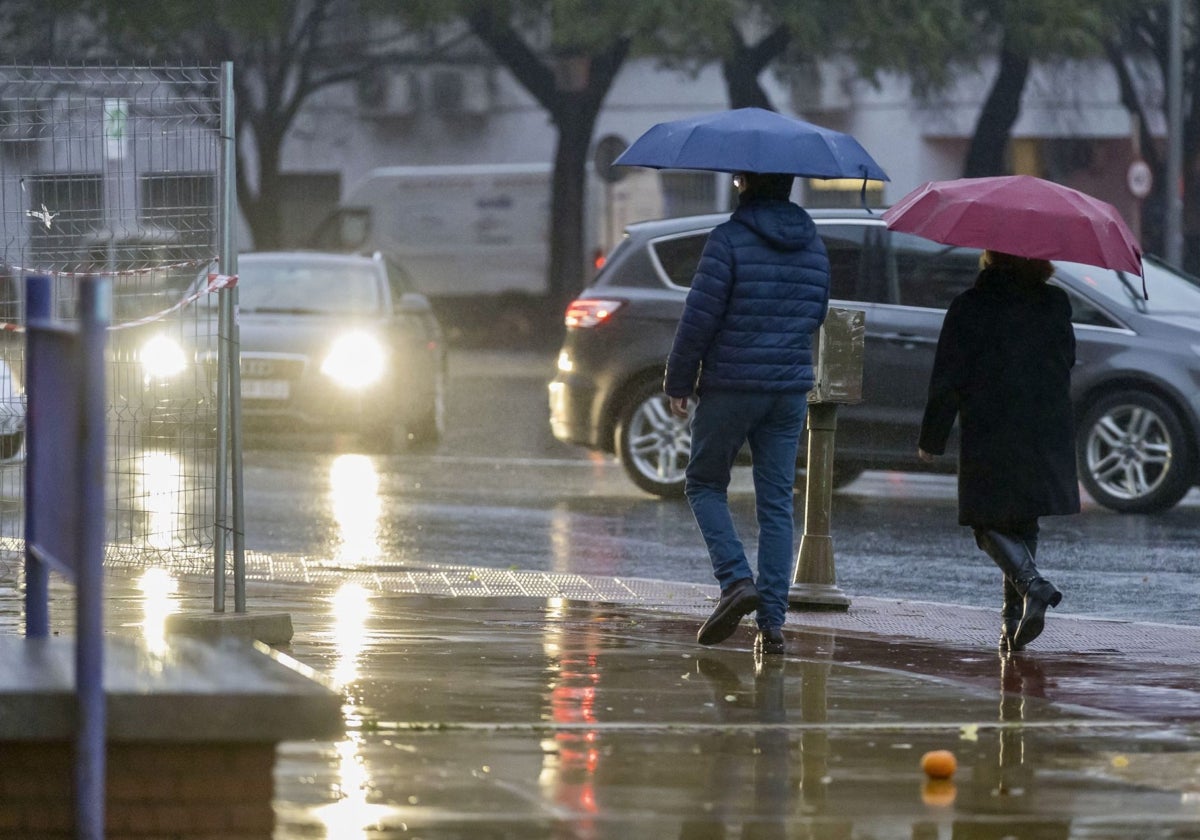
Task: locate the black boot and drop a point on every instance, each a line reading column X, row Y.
column 1016, row 561
column 1039, row 594
column 1010, row 614
column 1014, row 605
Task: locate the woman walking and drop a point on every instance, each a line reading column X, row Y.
column 1003, row 368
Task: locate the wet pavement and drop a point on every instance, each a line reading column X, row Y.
column 576, row 720
column 501, row 493
column 483, row 705
column 494, row 691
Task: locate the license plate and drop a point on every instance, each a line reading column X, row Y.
column 264, row 389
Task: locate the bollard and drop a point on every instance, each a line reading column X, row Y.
column 815, row 583
column 838, row 369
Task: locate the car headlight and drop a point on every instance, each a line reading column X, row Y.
column 355, row 360
column 162, row 358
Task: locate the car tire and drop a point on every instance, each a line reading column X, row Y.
column 425, row 434
column 653, row 445
column 426, row 431
column 1133, row 453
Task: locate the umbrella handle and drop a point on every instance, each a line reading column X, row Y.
column 862, row 195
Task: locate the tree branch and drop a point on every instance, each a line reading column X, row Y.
column 512, row 51
column 759, row 55
column 1133, row 103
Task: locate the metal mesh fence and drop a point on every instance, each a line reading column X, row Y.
column 115, row 171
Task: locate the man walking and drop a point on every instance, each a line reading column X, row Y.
column 743, row 351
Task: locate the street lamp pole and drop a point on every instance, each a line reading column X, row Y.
column 1174, row 186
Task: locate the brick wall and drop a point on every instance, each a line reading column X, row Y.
column 178, row 791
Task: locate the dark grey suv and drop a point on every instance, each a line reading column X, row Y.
column 1136, row 383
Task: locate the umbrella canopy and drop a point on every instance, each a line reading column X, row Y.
column 752, row 140
column 1020, row 215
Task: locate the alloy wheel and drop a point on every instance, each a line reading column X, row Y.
column 655, row 446
column 1128, row 451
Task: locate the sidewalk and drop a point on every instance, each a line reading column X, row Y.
column 1129, row 658
column 485, row 703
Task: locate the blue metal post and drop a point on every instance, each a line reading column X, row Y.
column 95, row 313
column 37, row 573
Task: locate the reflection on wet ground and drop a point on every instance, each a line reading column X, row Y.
column 543, row 718
column 523, row 718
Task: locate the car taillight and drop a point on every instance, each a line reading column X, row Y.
column 585, row 313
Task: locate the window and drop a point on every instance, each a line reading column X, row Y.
column 1084, row 312
column 929, row 274
column 679, row 256
column 1170, row 292
column 688, row 193
column 851, row 277
column 398, row 280
column 279, row 286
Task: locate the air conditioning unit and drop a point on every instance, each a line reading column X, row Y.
column 462, row 91
column 385, row 93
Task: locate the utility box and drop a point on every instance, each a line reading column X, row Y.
column 838, row 366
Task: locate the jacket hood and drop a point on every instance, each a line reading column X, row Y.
column 783, row 224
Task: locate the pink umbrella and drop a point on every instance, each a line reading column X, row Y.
column 1019, row 215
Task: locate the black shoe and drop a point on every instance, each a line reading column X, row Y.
column 769, row 641
column 1039, row 594
column 737, row 599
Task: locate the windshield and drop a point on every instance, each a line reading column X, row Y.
column 299, row 287
column 1169, row 291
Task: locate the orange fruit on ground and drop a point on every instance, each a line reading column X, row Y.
column 938, row 793
column 939, row 764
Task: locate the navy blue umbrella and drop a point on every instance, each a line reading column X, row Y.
column 752, row 140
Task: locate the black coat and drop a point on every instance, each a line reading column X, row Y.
column 1003, row 365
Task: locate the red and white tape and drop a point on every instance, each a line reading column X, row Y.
column 216, row 282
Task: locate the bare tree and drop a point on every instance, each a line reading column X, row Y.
column 283, row 52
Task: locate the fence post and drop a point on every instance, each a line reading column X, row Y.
column 229, row 380
column 229, row 266
column 95, row 307
column 64, row 505
column 37, row 572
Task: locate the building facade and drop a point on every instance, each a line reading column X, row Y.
column 1072, row 129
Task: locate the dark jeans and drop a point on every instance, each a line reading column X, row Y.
column 771, row 423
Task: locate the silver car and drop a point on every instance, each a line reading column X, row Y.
column 329, row 343
column 1136, row 384
column 340, row 342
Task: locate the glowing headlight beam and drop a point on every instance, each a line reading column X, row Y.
column 162, row 358
column 355, row 360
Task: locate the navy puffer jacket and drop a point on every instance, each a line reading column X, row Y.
column 760, row 291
